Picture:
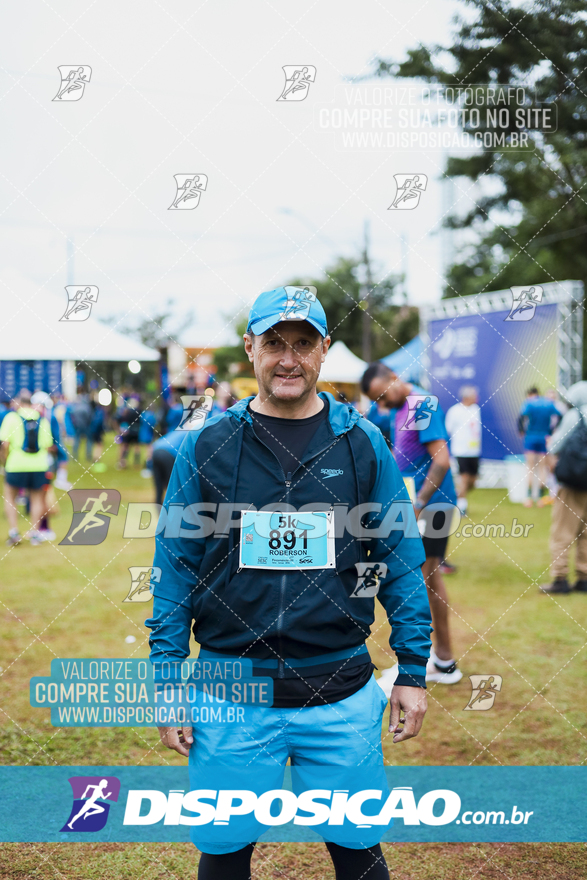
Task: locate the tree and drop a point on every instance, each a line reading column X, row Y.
column 343, row 296
column 541, row 45
column 162, row 328
column 157, row 331
column 231, row 360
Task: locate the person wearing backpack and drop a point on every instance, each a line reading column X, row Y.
column 25, row 437
column 569, row 512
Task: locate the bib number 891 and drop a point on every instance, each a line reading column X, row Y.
column 288, row 538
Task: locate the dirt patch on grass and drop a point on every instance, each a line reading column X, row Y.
column 127, row 861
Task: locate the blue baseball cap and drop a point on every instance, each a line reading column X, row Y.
column 287, row 304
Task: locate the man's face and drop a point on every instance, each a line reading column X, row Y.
column 287, row 360
column 389, row 390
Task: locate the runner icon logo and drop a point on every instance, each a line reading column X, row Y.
column 409, row 189
column 297, row 82
column 420, row 409
column 188, row 189
column 74, row 79
column 80, row 299
column 298, row 304
column 142, row 582
column 484, row 689
column 90, row 808
column 195, row 409
column 92, row 509
column 369, row 575
column 524, row 302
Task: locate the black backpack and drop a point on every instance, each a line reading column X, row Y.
column 31, row 434
column 571, row 468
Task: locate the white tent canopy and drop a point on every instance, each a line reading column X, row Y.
column 30, row 329
column 342, row 365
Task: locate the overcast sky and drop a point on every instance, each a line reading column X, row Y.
column 189, row 87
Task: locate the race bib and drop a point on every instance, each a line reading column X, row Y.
column 287, row 540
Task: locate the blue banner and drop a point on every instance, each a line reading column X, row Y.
column 502, row 359
column 34, row 375
column 425, row 804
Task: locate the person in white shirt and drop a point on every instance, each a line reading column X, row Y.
column 463, row 424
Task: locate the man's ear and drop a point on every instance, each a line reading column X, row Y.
column 248, row 346
column 325, row 346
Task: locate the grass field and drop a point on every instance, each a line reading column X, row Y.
column 67, row 602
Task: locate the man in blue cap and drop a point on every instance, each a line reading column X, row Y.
column 293, row 595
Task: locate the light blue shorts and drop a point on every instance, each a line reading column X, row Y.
column 336, row 747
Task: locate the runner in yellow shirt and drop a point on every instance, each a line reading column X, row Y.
column 25, row 438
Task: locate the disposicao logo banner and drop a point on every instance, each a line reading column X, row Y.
column 423, row 804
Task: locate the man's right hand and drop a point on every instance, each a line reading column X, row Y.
column 177, row 738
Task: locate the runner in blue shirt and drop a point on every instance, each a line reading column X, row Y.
column 537, row 420
column 163, row 454
column 95, row 436
column 146, row 434
column 174, row 414
column 59, row 415
column 147, row 427
column 421, row 451
column 384, row 419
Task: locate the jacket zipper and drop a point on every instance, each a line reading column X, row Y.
column 281, row 660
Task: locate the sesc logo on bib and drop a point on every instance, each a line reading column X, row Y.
column 270, row 539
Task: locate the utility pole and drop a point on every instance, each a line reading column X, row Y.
column 404, row 264
column 70, row 271
column 447, row 235
column 367, row 288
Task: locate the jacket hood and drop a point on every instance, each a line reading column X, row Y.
column 577, row 394
column 341, row 416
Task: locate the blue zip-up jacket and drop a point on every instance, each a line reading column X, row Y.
column 301, row 618
column 170, row 442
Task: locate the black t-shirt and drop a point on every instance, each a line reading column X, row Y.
column 316, row 690
column 288, row 439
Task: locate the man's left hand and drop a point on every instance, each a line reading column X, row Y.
column 412, row 702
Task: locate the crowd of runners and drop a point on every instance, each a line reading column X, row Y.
column 41, row 434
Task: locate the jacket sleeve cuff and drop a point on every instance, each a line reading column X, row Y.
column 412, row 671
